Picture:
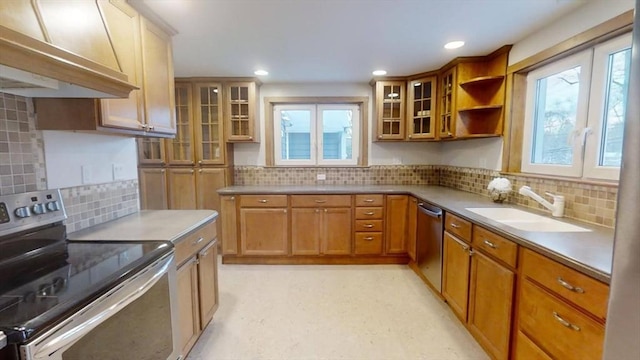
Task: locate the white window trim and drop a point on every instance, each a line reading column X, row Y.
column 582, row 59
column 277, row 146
column 355, row 134
column 596, row 110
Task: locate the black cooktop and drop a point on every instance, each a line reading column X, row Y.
column 39, row 291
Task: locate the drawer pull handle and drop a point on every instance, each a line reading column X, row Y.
column 368, row 200
column 490, row 244
column 369, row 213
column 368, row 226
column 320, row 201
column 569, row 287
column 264, row 201
column 198, row 241
column 565, row 323
column 369, row 238
column 455, row 226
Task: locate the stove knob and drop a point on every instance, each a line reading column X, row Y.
column 22, row 212
column 53, row 205
column 39, row 209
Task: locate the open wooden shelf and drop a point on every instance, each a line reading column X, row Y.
column 481, row 108
column 482, row 80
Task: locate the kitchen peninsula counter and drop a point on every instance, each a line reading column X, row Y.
column 590, row 253
column 168, row 225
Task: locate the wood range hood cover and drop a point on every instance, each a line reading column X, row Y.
column 51, row 48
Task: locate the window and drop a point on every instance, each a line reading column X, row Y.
column 575, row 110
column 310, row 134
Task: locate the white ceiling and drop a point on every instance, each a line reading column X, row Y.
column 342, row 40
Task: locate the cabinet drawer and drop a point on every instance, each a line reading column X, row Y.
column 368, row 213
column 368, row 243
column 579, row 289
column 320, row 200
column 495, row 245
column 527, row 350
column 368, row 225
column 369, row 200
column 562, row 331
column 194, row 242
column 263, row 201
column 457, row 226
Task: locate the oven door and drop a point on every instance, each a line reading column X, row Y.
column 135, row 320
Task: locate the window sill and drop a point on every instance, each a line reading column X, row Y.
column 563, row 178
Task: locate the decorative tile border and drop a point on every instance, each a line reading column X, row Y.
column 586, row 202
column 374, row 175
column 21, row 147
column 89, row 205
column 583, row 201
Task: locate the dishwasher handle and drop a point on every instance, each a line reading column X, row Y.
column 424, row 210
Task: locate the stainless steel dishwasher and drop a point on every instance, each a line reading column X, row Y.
column 429, row 243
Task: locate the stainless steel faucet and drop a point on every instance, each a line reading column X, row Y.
column 557, row 207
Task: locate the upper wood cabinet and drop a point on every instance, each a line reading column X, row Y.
column 151, row 151
column 42, row 37
column 209, row 124
column 143, row 52
column 421, row 109
column 157, row 71
column 180, row 148
column 390, row 110
column 476, row 89
column 241, row 111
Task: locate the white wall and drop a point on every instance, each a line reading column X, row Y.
column 583, row 18
column 379, row 153
column 67, row 152
column 477, row 153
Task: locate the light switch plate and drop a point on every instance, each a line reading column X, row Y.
column 118, row 171
column 86, row 174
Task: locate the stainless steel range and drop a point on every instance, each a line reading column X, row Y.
column 80, row 300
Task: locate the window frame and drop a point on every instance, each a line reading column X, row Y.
column 582, row 59
column 516, row 87
column 363, row 124
column 277, row 145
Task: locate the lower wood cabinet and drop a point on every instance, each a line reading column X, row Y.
column 490, row 304
column 263, row 231
column 318, row 231
column 455, row 274
column 229, row 223
column 478, row 286
column 397, row 207
column 197, row 283
column 412, row 227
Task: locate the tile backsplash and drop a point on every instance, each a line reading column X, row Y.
column 373, row 175
column 594, row 203
column 21, row 147
column 90, row 205
column 22, row 168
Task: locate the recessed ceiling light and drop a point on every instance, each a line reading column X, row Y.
column 261, row 72
column 379, row 72
column 454, row 45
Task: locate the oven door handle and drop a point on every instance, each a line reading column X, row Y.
column 111, row 306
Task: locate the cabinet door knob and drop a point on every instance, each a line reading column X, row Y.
column 199, row 162
column 379, row 136
column 250, row 137
column 151, row 127
column 232, row 198
column 263, row 201
column 162, row 171
column 200, row 171
column 191, row 171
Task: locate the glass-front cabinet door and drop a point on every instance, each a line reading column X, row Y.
column 241, row 111
column 421, row 109
column 390, row 110
column 151, row 151
column 180, row 148
column 447, row 126
column 208, row 123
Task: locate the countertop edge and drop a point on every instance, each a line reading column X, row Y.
column 401, row 189
column 195, row 226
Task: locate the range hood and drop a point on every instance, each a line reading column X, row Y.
column 59, row 49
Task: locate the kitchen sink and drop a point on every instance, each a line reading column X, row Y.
column 523, row 220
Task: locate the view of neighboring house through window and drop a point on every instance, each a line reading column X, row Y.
column 309, row 134
column 575, row 110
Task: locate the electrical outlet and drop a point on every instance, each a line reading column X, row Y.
column 396, row 161
column 321, row 176
column 86, row 174
column 482, row 162
column 118, row 171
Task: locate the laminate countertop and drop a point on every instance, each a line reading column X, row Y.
column 590, row 253
column 167, row 225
